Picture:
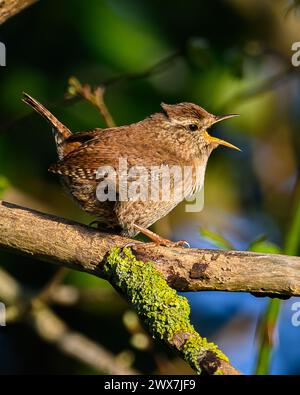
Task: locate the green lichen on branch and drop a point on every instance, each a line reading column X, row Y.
column 165, row 313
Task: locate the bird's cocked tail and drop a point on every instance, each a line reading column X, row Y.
column 60, row 131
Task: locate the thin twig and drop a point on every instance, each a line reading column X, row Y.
column 95, row 97
column 48, row 290
column 70, row 99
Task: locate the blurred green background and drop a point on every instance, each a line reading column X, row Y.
column 227, row 56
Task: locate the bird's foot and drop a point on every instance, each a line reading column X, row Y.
column 160, row 241
column 168, row 243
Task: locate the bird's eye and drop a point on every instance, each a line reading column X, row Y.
column 193, row 127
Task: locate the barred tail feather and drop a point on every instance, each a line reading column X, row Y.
column 61, row 132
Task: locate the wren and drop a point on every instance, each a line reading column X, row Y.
column 177, row 136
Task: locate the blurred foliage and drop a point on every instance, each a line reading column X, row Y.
column 269, row 319
column 264, row 246
column 267, row 336
column 218, row 240
column 3, row 185
column 267, row 324
column 227, row 56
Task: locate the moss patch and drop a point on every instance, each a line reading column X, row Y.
column 163, row 311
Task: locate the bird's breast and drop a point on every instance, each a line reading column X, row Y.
column 198, row 174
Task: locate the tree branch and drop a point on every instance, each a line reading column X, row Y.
column 69, row 244
column 79, row 247
column 9, row 8
column 162, row 311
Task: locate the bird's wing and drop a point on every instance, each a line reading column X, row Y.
column 111, row 145
column 83, row 137
column 76, row 140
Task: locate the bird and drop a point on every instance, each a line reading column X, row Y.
column 176, row 137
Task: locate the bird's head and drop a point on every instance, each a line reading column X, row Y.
column 195, row 120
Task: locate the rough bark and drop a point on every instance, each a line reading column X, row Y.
column 9, row 8
column 80, row 247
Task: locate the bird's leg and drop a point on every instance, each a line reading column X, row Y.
column 158, row 240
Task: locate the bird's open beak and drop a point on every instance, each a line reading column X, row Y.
column 215, row 140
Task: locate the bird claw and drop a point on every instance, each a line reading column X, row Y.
column 182, row 243
column 160, row 241
column 173, row 244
